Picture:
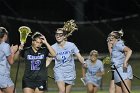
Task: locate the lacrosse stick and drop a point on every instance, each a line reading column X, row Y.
column 83, row 81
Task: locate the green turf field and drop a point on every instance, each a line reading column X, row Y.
column 135, row 63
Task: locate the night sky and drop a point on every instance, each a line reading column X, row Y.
column 92, row 33
column 55, row 10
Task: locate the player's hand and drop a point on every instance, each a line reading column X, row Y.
column 84, row 65
column 125, row 67
column 14, row 48
column 43, row 39
column 21, row 47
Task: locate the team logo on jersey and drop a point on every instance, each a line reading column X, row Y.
column 64, row 53
column 32, row 57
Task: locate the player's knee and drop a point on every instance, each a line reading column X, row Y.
column 62, row 91
column 90, row 90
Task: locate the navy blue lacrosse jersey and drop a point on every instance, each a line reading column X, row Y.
column 35, row 64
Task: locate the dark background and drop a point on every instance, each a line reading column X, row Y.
column 95, row 20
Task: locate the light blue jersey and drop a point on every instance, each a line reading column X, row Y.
column 64, row 69
column 91, row 71
column 4, row 64
column 5, row 80
column 117, row 55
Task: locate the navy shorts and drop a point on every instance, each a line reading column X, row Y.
column 41, row 84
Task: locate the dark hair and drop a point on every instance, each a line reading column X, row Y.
column 3, row 31
column 36, row 35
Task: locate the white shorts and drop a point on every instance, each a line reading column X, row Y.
column 125, row 75
column 5, row 81
column 68, row 78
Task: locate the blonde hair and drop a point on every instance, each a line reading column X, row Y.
column 94, row 52
column 118, row 34
column 68, row 28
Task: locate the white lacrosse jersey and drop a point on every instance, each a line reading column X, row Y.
column 64, row 68
column 4, row 64
column 118, row 55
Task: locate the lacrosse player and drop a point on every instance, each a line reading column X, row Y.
column 120, row 55
column 94, row 71
column 64, row 69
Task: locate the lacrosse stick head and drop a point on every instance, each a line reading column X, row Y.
column 107, row 60
column 24, row 32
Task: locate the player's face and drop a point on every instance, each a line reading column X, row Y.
column 6, row 37
column 37, row 43
column 93, row 57
column 112, row 38
column 59, row 35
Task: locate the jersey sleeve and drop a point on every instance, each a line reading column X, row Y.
column 75, row 49
column 120, row 46
column 102, row 66
column 6, row 49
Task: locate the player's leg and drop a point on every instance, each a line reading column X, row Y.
column 39, row 91
column 95, row 89
column 128, row 84
column 112, row 87
column 68, row 88
column 61, row 86
column 28, row 90
column 118, row 88
column 90, row 88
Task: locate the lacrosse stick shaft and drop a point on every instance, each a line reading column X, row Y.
column 14, row 91
column 51, row 77
column 83, row 81
column 136, row 77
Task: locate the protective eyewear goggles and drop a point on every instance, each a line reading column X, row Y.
column 59, row 34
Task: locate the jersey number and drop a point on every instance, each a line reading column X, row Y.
column 35, row 64
column 64, row 59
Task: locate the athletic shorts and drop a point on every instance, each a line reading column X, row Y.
column 68, row 78
column 5, row 81
column 41, row 85
column 124, row 75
